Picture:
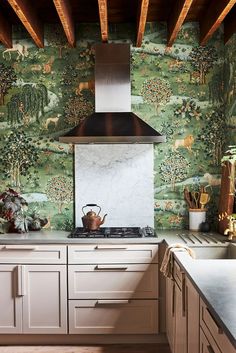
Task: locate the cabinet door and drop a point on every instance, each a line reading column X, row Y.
column 170, row 314
column 44, row 299
column 10, row 301
column 180, row 341
column 192, row 318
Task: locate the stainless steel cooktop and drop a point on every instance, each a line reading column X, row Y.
column 113, row 232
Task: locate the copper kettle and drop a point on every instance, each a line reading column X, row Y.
column 91, row 220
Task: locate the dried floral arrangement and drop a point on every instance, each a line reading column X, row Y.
column 15, row 216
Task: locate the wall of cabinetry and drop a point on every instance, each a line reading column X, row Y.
column 100, row 289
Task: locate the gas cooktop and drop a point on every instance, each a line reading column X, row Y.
column 113, row 232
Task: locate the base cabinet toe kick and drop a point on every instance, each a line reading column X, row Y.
column 79, row 290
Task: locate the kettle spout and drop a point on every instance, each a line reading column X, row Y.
column 103, row 220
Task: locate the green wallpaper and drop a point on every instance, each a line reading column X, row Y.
column 180, row 92
column 230, row 90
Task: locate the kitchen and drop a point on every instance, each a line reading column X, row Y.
column 49, row 91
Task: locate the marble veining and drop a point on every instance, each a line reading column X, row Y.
column 120, row 179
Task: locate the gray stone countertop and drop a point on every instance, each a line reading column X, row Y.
column 215, row 280
column 61, row 237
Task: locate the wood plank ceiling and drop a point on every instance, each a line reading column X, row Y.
column 34, row 14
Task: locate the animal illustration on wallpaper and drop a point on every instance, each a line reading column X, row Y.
column 52, row 120
column 89, row 85
column 185, row 142
column 47, row 68
column 19, row 49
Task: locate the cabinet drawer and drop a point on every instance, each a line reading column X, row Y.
column 208, row 323
column 207, row 344
column 48, row 254
column 100, row 254
column 113, row 281
column 113, row 316
column 178, row 274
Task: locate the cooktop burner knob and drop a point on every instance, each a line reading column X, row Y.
column 149, row 232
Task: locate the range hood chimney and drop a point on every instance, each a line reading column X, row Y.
column 113, row 121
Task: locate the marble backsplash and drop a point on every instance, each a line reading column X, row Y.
column 119, row 178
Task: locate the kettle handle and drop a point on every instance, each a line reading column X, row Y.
column 91, row 205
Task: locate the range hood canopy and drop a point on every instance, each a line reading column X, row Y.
column 113, row 121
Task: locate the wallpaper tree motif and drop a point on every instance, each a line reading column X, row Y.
column 180, row 91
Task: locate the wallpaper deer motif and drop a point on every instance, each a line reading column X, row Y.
column 185, row 92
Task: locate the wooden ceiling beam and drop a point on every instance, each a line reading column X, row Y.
column 230, row 25
column 102, row 7
column 26, row 13
column 65, row 14
column 177, row 17
column 142, row 19
column 5, row 32
column 213, row 18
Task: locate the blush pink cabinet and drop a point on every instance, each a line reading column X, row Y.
column 33, row 298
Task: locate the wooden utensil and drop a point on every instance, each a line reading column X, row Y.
column 204, row 199
column 196, row 197
column 187, row 196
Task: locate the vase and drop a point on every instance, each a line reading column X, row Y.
column 196, row 217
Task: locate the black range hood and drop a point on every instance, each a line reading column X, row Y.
column 113, row 121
